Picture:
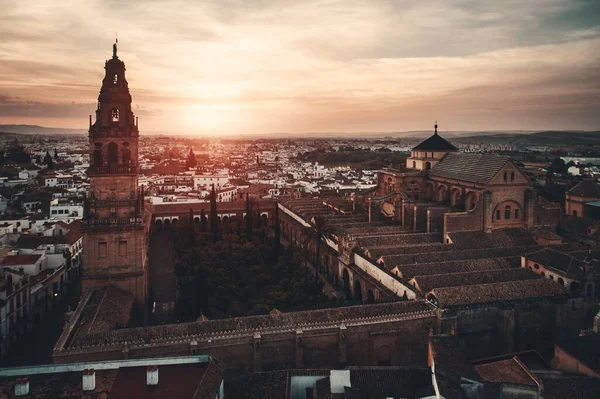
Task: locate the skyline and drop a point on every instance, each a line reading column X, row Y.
column 322, row 66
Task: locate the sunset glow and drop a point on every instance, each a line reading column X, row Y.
column 241, row 67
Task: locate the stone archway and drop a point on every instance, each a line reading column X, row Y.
column 471, row 200
column 384, row 355
column 370, row 296
column 429, row 192
column 455, row 197
column 158, row 225
column 357, row 291
column 167, row 224
column 440, row 194
column 346, row 281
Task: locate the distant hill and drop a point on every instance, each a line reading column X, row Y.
column 545, row 138
column 34, row 129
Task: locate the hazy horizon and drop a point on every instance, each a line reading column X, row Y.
column 323, row 66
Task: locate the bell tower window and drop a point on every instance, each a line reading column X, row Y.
column 113, row 154
column 114, row 115
column 115, row 79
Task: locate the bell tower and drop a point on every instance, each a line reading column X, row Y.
column 114, row 226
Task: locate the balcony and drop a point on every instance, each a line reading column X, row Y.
column 112, row 203
column 112, row 223
column 112, row 169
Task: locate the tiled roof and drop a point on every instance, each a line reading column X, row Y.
column 474, row 168
column 427, row 283
column 247, row 325
column 585, row 349
column 107, row 309
column 587, row 188
column 509, row 371
column 481, row 264
column 498, row 292
column 500, row 238
column 18, row 260
column 557, row 260
column 435, row 143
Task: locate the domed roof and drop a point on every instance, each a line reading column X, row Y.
column 435, row 143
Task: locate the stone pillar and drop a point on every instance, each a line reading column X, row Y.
column 508, row 328
column 343, row 351
column 398, row 210
column 402, row 212
column 193, row 347
column 415, row 216
column 299, row 349
column 125, row 352
column 428, row 221
column 486, row 201
column 256, row 357
column 529, row 208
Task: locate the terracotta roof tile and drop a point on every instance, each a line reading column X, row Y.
column 474, row 168
column 498, row 292
column 586, row 188
column 509, row 370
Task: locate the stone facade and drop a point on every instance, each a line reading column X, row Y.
column 115, row 225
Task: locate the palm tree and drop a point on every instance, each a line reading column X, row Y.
column 319, row 230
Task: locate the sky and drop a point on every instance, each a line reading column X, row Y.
column 218, row 67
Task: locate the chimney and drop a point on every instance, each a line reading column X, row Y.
column 89, row 380
column 152, row 376
column 22, row 386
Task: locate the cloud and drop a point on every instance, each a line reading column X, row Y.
column 284, row 65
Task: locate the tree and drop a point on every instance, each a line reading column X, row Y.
column 203, row 221
column 48, row 161
column 16, row 153
column 214, row 224
column 248, row 218
column 190, row 161
column 191, row 230
column 318, row 232
column 55, row 154
column 277, row 231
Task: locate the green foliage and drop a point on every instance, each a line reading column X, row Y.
column 237, row 277
column 354, row 157
column 16, row 153
column 48, row 161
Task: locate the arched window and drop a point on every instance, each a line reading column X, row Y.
column 574, row 213
column 113, row 154
column 507, row 212
column 115, row 79
column 505, row 176
column 497, row 214
column 561, row 281
column 114, row 115
column 427, row 165
column 512, row 176
column 516, row 213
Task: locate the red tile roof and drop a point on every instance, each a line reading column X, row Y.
column 19, row 260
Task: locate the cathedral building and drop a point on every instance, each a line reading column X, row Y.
column 115, row 225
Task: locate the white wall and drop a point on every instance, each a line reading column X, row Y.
column 390, row 282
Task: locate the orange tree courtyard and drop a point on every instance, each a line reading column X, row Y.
column 235, row 276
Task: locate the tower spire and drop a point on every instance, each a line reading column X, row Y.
column 435, row 126
column 115, row 46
